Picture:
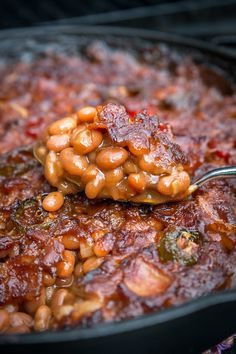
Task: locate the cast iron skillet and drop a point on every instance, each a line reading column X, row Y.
column 189, row 328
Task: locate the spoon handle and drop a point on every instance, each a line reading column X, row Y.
column 222, row 172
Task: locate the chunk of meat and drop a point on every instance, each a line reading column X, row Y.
column 143, row 279
column 19, row 280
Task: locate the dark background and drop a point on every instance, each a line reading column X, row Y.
column 213, row 20
column 208, row 20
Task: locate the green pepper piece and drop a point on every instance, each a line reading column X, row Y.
column 29, row 214
column 17, row 162
column 179, row 245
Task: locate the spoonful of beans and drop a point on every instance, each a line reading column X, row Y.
column 108, row 154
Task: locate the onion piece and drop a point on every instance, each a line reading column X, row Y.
column 144, row 279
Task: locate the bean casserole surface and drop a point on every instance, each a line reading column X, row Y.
column 96, row 261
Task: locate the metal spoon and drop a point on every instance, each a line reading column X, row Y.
column 152, row 198
column 222, row 172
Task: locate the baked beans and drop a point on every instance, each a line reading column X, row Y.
column 32, row 305
column 86, row 141
column 53, row 201
column 62, row 126
column 53, row 170
column 93, row 187
column 174, row 184
column 87, row 114
column 71, row 242
column 137, row 181
column 42, row 318
column 4, row 320
column 130, row 167
column 18, row 329
column 19, row 319
column 90, row 173
column 64, row 282
column 58, row 142
column 61, row 297
column 48, row 279
column 66, row 267
column 111, row 157
column 73, row 163
column 87, row 154
column 114, row 176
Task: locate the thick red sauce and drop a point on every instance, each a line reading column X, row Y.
column 151, row 257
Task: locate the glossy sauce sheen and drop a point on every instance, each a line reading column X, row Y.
column 98, row 261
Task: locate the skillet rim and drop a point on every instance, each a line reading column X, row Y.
column 164, row 316
column 116, row 328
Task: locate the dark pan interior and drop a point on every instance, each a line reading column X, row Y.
column 193, row 326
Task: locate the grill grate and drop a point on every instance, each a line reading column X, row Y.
column 202, row 19
column 16, row 13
